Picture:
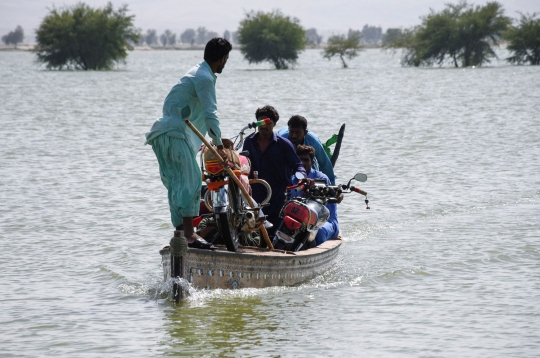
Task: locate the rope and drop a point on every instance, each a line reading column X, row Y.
column 178, row 245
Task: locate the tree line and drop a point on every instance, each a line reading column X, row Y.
column 81, row 37
column 192, row 37
column 371, row 35
column 464, row 35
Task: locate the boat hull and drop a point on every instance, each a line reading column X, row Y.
column 252, row 267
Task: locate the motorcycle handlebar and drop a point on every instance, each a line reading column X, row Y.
column 295, row 186
column 317, row 190
column 358, row 190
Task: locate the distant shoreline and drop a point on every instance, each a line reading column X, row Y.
column 164, row 48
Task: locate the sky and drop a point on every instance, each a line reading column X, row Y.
column 327, row 16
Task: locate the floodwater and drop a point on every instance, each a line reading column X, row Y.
column 445, row 264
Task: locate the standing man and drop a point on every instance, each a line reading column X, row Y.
column 298, row 133
column 275, row 160
column 175, row 144
column 330, row 229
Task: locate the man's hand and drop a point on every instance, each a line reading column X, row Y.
column 340, row 198
column 309, row 182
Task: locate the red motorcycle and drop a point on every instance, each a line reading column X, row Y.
column 304, row 211
column 227, row 209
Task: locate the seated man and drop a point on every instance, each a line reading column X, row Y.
column 298, row 133
column 275, row 160
column 330, row 229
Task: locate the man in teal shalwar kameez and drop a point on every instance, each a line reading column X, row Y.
column 175, row 144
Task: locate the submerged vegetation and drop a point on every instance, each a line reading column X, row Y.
column 343, row 46
column 459, row 35
column 462, row 34
column 271, row 37
column 524, row 40
column 81, row 37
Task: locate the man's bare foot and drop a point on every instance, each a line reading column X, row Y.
column 192, row 238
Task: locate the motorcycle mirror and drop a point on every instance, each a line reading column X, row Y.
column 360, row 177
column 299, row 175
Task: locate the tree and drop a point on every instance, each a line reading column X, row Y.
column 339, row 45
column 354, row 33
column 200, row 38
column 203, row 35
column 188, row 36
column 271, row 37
column 312, row 37
column 524, row 40
column 168, row 38
column 461, row 33
column 391, row 35
column 371, row 34
column 151, row 37
column 227, row 35
column 81, row 37
column 14, row 37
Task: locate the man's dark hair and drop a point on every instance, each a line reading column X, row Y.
column 297, row 121
column 267, row 111
column 305, row 149
column 216, row 49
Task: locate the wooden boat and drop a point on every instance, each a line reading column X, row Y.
column 248, row 267
column 251, row 266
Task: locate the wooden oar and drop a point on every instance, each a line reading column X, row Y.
column 235, row 179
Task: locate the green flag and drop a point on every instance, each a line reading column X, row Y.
column 328, row 143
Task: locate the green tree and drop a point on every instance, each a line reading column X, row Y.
column 271, row 37
column 81, row 37
column 461, row 33
column 339, row 45
column 392, row 35
column 14, row 37
column 524, row 40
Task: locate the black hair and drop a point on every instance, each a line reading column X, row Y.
column 216, row 49
column 297, row 121
column 267, row 111
column 305, row 149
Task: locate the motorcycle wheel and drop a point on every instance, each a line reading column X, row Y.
column 227, row 231
column 279, row 245
column 300, row 241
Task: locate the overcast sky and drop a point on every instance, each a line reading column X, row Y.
column 327, row 16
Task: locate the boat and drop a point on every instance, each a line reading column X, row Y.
column 232, row 267
column 250, row 267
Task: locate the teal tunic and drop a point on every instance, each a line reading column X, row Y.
column 175, row 144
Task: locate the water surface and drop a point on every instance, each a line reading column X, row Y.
column 445, row 264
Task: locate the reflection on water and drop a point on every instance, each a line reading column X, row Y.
column 197, row 329
column 448, row 252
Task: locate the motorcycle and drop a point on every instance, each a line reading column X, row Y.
column 229, row 210
column 304, row 214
